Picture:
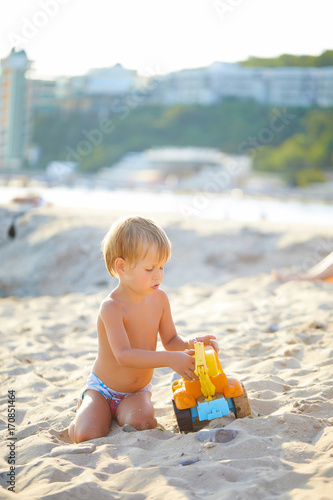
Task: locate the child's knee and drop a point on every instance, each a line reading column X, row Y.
column 88, row 434
column 148, row 423
column 141, row 422
column 82, row 433
column 71, row 431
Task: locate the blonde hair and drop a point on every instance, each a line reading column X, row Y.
column 130, row 239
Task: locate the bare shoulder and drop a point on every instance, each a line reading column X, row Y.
column 110, row 306
column 161, row 297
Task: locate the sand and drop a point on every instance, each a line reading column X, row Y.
column 276, row 338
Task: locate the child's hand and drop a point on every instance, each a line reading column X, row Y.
column 207, row 340
column 184, row 364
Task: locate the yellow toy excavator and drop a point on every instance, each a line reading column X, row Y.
column 210, row 396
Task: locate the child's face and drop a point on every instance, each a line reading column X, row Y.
column 146, row 276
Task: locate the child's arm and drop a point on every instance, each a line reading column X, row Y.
column 169, row 337
column 112, row 317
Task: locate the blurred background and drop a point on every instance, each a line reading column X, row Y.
column 205, row 99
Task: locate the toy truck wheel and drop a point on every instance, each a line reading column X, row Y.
column 184, row 419
column 242, row 405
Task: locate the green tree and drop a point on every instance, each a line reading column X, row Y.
column 324, row 59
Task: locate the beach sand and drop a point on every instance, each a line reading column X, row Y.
column 276, row 338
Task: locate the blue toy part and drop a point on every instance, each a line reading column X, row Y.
column 215, row 408
column 231, row 405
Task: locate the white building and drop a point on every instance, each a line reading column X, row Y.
column 14, row 125
column 234, row 80
column 281, row 86
column 110, row 81
column 98, row 90
column 325, row 87
column 189, row 86
column 284, row 86
column 113, row 81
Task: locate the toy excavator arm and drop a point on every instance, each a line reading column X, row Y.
column 201, row 370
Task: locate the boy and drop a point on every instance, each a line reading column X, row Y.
column 135, row 250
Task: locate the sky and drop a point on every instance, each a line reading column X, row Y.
column 69, row 37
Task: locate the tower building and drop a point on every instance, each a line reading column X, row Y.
column 13, row 110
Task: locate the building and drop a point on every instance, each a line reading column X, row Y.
column 205, row 169
column 100, row 90
column 281, row 86
column 41, row 96
column 234, row 80
column 114, row 81
column 325, row 87
column 14, row 126
column 188, row 86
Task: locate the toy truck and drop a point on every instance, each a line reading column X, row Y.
column 210, row 396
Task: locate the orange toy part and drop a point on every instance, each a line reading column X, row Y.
column 186, row 393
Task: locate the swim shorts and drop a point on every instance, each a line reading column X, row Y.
column 113, row 398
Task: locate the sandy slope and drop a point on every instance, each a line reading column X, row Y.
column 52, row 280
